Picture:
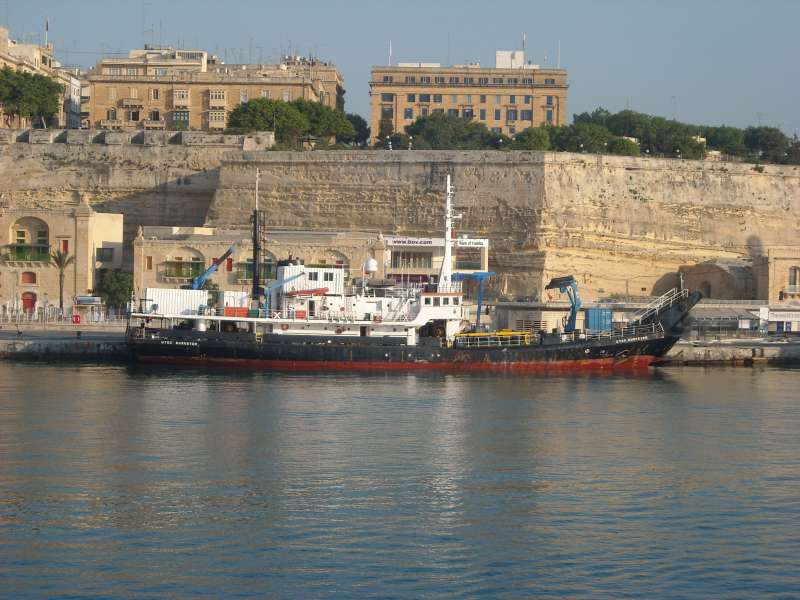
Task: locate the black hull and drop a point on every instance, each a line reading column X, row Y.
column 324, row 352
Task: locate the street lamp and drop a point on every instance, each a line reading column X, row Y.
column 580, row 147
column 678, row 152
column 388, row 142
column 410, row 141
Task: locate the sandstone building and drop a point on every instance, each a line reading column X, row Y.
column 36, row 58
column 28, row 281
column 158, row 88
column 508, row 98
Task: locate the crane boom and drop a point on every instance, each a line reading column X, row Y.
column 197, row 282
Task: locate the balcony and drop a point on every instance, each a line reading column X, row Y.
column 110, row 124
column 791, row 289
column 218, row 103
column 154, row 124
column 132, row 103
column 180, row 102
column 26, row 253
column 181, row 272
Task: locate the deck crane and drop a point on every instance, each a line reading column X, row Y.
column 480, row 277
column 567, row 285
column 197, row 282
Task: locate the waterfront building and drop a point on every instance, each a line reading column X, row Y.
column 158, row 88
column 28, row 281
column 508, row 98
column 169, row 257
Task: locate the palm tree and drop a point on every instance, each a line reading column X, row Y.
column 61, row 260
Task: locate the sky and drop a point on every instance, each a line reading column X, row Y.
column 704, row 61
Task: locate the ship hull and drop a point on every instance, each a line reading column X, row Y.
column 364, row 354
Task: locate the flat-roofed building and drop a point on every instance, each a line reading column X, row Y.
column 509, row 98
column 165, row 88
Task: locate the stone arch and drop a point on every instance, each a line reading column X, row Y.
column 184, row 263
column 28, row 302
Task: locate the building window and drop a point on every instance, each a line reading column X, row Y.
column 180, row 116
column 483, row 98
column 327, row 276
column 424, row 97
column 437, row 98
column 408, row 113
column 512, row 130
column 468, row 80
column 111, row 114
column 180, row 94
column 155, row 115
column 526, row 115
column 513, row 80
column 403, row 259
column 113, row 70
column 794, row 275
column 439, row 79
column 549, row 116
column 468, row 99
column 244, row 96
column 148, row 263
column 425, row 79
column 512, row 99
column 112, row 94
column 498, row 99
column 216, row 116
column 468, row 113
column 452, row 112
column 511, row 114
column 483, row 80
column 160, row 71
column 133, row 92
column 528, row 99
column 105, row 255
column 527, row 81
column 388, row 79
column 497, row 130
column 497, row 114
column 411, row 97
column 28, row 278
column 411, row 79
column 155, row 94
column 427, row 301
column 264, row 93
column 436, row 301
column 65, row 246
column 438, row 110
column 549, row 81
column 423, row 111
column 549, row 101
column 387, row 97
column 453, row 80
column 313, row 276
column 387, row 112
column 217, row 94
column 286, row 95
column 483, row 114
column 133, row 116
column 497, row 80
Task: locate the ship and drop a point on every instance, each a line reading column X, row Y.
column 311, row 318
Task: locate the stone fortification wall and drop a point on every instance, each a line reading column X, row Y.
column 621, row 225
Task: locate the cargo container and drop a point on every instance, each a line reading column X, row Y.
column 597, row 319
column 178, row 302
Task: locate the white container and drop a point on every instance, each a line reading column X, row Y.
column 234, row 299
column 174, row 302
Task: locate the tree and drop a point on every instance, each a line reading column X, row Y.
column 29, row 96
column 623, row 147
column 532, row 138
column 61, row 260
column 385, row 130
column 729, row 140
column 361, row 131
column 445, row 132
column 324, row 122
column 114, row 287
column 580, row 137
column 263, row 114
column 768, row 143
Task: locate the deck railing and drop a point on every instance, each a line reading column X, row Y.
column 501, row 340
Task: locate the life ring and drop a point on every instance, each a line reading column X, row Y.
column 284, row 327
column 377, row 318
column 339, row 330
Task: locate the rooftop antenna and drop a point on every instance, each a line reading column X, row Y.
column 390, row 53
column 558, row 59
column 523, row 42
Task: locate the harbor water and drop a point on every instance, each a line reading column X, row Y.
column 163, row 482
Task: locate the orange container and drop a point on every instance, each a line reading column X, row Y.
column 235, row 311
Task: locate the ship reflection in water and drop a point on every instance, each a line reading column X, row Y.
column 161, row 482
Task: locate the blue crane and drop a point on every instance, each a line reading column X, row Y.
column 197, row 282
column 567, row 285
column 480, row 277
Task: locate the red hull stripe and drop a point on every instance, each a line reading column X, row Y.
column 634, row 362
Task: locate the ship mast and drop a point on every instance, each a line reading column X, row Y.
column 446, row 271
column 257, row 225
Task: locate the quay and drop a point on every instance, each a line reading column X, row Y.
column 107, row 344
